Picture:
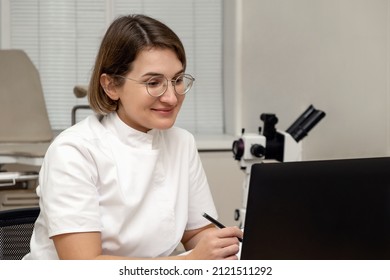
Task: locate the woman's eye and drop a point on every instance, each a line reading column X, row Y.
column 179, row 80
column 154, row 83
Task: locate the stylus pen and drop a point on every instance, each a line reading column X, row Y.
column 218, row 224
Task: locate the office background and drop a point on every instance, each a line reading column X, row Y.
column 281, row 56
column 289, row 54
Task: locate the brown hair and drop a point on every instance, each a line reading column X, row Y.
column 126, row 37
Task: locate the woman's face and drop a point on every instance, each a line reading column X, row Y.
column 136, row 107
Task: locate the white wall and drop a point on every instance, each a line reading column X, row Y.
column 330, row 53
column 226, row 183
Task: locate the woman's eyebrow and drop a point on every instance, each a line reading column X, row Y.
column 160, row 74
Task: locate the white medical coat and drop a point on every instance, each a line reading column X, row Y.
column 140, row 190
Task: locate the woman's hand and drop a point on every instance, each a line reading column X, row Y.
column 216, row 244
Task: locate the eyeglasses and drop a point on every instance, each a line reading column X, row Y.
column 157, row 85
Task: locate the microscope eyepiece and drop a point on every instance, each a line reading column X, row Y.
column 301, row 127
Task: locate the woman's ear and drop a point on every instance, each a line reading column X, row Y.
column 107, row 84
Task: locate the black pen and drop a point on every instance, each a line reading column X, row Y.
column 215, row 222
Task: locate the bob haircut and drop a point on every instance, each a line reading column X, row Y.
column 125, row 38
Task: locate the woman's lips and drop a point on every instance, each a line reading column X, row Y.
column 163, row 111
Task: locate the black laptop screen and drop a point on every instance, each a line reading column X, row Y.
column 334, row 209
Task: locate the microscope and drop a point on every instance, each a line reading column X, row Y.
column 270, row 144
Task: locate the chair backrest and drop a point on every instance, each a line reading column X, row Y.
column 23, row 113
column 16, row 228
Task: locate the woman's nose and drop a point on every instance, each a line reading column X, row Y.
column 169, row 95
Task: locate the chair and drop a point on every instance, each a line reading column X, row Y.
column 25, row 130
column 79, row 91
column 16, row 228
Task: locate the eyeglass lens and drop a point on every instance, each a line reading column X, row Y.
column 157, row 85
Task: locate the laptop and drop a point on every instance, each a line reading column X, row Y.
column 319, row 210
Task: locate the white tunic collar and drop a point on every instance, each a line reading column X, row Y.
column 128, row 135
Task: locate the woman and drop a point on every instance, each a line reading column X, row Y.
column 125, row 183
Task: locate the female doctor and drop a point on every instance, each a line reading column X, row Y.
column 125, row 183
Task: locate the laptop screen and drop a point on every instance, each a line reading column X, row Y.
column 323, row 210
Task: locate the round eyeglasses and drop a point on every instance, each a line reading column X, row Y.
column 157, row 85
